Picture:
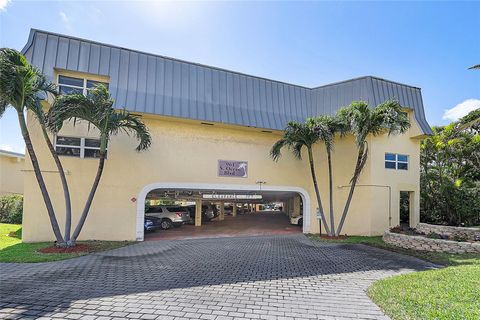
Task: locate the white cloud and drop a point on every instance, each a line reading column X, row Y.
column 65, row 19
column 461, row 109
column 9, row 147
column 4, row 4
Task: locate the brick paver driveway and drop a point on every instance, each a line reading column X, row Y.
column 274, row 277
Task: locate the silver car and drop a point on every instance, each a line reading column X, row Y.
column 169, row 215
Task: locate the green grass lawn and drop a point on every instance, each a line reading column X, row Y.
column 13, row 250
column 449, row 293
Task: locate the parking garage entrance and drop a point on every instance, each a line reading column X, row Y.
column 179, row 211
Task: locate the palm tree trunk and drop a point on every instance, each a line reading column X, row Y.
column 66, row 192
column 41, row 182
column 317, row 192
column 356, row 174
column 330, row 186
column 86, row 209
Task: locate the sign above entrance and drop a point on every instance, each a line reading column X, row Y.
column 232, row 168
column 232, row 196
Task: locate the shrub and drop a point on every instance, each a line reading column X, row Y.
column 11, row 209
column 396, row 229
column 433, row 235
column 460, row 237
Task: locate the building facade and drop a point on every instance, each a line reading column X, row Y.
column 201, row 118
column 11, row 172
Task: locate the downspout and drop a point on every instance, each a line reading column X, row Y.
column 389, row 197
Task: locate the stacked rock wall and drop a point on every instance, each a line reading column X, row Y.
column 426, row 244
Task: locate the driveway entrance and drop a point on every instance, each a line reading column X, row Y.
column 273, row 277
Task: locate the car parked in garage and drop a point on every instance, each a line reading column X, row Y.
column 208, row 213
column 169, row 215
column 298, row 220
column 151, row 223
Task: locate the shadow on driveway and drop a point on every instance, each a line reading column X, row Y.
column 127, row 280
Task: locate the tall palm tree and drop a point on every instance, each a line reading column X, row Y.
column 363, row 121
column 40, row 115
column 23, row 87
column 326, row 127
column 296, row 136
column 97, row 109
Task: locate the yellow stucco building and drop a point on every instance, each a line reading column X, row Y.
column 11, row 172
column 212, row 131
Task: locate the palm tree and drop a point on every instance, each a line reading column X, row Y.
column 97, row 109
column 326, row 127
column 39, row 113
column 23, row 87
column 295, row 137
column 477, row 66
column 363, row 121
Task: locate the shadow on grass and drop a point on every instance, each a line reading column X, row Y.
column 444, row 259
column 18, row 234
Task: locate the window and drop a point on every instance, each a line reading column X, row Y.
column 67, row 85
column 77, row 147
column 396, row 161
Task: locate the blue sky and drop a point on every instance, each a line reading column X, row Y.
column 426, row 44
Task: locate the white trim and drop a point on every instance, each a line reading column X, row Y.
column 82, row 146
column 213, row 186
column 85, row 80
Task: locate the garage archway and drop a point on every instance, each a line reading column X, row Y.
column 217, row 187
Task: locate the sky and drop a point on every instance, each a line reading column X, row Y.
column 426, row 44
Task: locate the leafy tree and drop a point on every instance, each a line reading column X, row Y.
column 97, row 110
column 11, row 208
column 363, row 121
column 23, row 87
column 296, row 136
column 450, row 173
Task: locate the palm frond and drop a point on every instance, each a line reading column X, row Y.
column 22, row 85
column 128, row 123
column 295, row 136
column 276, row 150
column 97, row 110
column 3, row 107
column 71, row 107
column 391, row 117
column 297, row 150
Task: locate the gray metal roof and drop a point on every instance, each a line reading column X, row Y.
column 148, row 83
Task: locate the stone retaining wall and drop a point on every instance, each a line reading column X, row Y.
column 427, row 244
column 448, row 230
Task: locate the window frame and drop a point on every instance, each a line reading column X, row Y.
column 82, row 147
column 85, row 81
column 396, row 161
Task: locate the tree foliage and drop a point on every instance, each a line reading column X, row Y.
column 11, row 208
column 357, row 119
column 450, row 173
column 96, row 109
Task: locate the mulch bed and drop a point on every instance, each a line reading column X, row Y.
column 77, row 248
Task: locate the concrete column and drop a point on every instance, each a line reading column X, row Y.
column 198, row 213
column 234, row 210
column 414, row 209
column 222, row 211
column 296, row 206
